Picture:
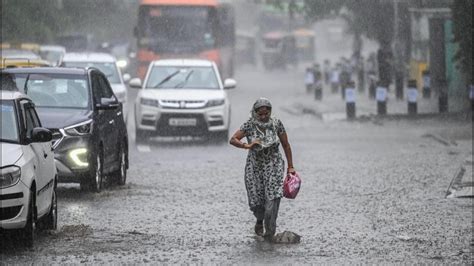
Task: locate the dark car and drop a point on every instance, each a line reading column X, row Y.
column 89, row 134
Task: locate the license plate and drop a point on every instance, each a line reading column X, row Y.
column 182, row 122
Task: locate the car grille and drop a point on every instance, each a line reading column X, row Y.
column 175, row 104
column 57, row 137
column 9, row 212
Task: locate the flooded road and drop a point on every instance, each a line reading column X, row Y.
column 371, row 193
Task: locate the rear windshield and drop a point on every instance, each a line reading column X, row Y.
column 55, row 90
column 109, row 69
column 9, row 123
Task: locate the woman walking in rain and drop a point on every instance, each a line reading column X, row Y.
column 264, row 169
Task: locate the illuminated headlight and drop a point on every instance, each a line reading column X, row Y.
column 79, row 157
column 149, row 102
column 9, row 176
column 122, row 63
column 79, row 129
column 216, row 102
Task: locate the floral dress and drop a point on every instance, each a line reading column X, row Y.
column 264, row 169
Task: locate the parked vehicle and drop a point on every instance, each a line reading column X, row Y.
column 20, row 58
column 52, row 53
column 27, row 172
column 279, row 50
column 182, row 97
column 86, row 119
column 108, row 65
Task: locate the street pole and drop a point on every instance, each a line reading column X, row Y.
column 399, row 69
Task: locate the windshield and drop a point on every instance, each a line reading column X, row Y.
column 109, row 69
column 166, row 77
column 55, row 90
column 177, row 29
column 9, row 124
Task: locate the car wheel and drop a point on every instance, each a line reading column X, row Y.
column 141, row 136
column 94, row 181
column 28, row 233
column 121, row 174
column 50, row 221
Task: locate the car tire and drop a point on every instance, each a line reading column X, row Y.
column 28, row 233
column 94, row 181
column 141, row 136
column 50, row 221
column 120, row 176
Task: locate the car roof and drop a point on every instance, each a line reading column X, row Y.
column 183, row 62
column 46, row 70
column 18, row 54
column 12, row 95
column 89, row 57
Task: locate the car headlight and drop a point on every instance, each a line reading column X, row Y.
column 79, row 129
column 122, row 63
column 9, row 176
column 79, row 157
column 149, row 102
column 215, row 102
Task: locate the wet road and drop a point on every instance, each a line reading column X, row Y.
column 371, row 193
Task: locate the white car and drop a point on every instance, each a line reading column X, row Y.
column 27, row 173
column 107, row 64
column 182, row 97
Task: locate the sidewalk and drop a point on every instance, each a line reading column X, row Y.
column 333, row 107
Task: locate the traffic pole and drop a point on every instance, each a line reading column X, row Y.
column 350, row 96
column 426, row 84
column 381, row 97
column 412, row 95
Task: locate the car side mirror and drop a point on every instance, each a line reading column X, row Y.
column 135, row 83
column 126, row 77
column 108, row 103
column 230, row 84
column 40, row 134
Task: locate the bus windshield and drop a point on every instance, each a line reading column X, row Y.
column 172, row 29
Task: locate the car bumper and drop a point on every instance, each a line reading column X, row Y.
column 212, row 119
column 14, row 206
column 73, row 158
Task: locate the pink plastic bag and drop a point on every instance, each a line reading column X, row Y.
column 291, row 185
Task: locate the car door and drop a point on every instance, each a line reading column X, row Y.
column 48, row 169
column 114, row 115
column 42, row 172
column 106, row 117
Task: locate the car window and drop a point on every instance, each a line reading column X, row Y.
column 9, row 129
column 169, row 77
column 106, row 90
column 110, row 70
column 8, row 82
column 56, row 90
column 30, row 122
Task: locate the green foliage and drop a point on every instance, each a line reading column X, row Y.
column 463, row 31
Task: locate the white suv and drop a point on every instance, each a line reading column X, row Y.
column 27, row 173
column 182, row 97
column 107, row 64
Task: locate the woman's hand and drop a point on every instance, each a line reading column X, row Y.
column 291, row 170
column 252, row 144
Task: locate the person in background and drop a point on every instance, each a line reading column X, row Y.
column 264, row 169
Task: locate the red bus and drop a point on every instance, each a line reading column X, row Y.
column 186, row 29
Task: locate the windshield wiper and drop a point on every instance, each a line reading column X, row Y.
column 166, row 79
column 182, row 83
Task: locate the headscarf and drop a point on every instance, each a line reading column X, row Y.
column 267, row 129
